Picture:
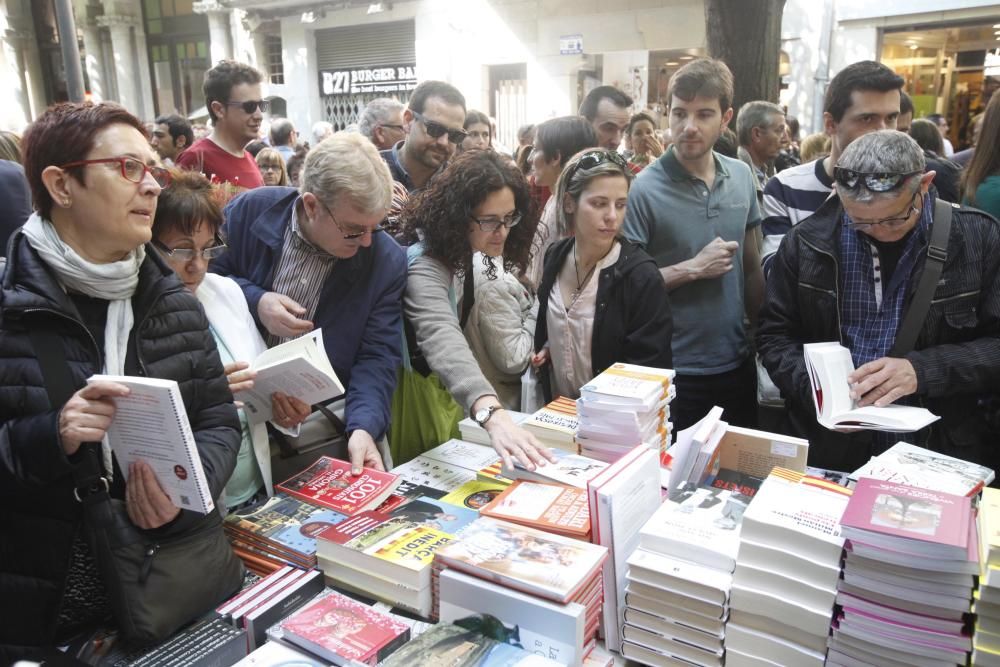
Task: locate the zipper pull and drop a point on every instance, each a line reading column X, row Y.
column 147, row 562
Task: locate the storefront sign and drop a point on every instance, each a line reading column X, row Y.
column 383, row 80
column 570, row 45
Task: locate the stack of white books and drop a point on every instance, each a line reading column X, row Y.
column 555, row 424
column 787, row 568
column 624, row 406
column 986, row 640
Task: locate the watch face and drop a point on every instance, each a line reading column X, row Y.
column 482, row 415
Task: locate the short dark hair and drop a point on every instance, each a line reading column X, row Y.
column 863, row 75
column 727, row 144
column 590, row 103
column 428, row 89
column 566, row 135
column 178, row 126
column 706, row 77
column 905, row 103
column 189, row 202
column 65, row 133
column 472, row 117
column 638, row 118
column 219, row 82
column 935, row 118
column 927, row 134
column 281, row 131
column 255, row 147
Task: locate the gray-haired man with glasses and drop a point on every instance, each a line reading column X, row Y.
column 850, row 273
column 316, row 257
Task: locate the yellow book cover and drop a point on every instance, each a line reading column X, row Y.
column 493, row 473
column 474, row 494
column 413, row 546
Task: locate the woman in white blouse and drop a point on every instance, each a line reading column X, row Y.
column 601, row 299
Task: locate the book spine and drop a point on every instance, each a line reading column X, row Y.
column 191, row 450
column 259, row 620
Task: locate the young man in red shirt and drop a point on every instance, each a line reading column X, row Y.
column 236, row 109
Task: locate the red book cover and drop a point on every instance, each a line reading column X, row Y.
column 335, row 626
column 930, row 518
column 328, row 482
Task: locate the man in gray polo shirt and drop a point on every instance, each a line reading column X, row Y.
column 696, row 213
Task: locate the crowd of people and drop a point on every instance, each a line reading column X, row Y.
column 444, row 272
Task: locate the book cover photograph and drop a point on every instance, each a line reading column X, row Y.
column 474, row 495
column 455, row 646
column 329, row 482
column 288, row 521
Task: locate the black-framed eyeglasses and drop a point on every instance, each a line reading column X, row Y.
column 491, row 225
column 395, row 127
column 892, row 221
column 595, row 158
column 436, row 130
column 348, row 236
column 249, row 106
column 188, row 254
column 873, row 181
column 132, row 169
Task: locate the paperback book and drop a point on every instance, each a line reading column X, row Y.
column 329, row 482
column 920, row 467
column 554, row 508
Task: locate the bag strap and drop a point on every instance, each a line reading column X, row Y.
column 468, row 295
column 937, row 255
column 88, row 474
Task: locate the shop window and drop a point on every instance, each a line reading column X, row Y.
column 275, row 63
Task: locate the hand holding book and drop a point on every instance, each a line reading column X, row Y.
column 146, row 502
column 882, row 382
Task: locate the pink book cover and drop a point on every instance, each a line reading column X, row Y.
column 930, row 634
column 908, row 512
column 345, row 628
column 845, row 621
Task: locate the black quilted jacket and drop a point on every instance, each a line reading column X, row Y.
column 38, row 516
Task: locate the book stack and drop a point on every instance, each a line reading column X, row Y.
column 554, row 425
column 694, row 459
column 986, row 640
column 281, row 531
column 568, row 469
column 205, row 643
column 689, row 546
column 787, row 568
column 915, row 466
column 388, row 556
column 339, row 629
column 554, row 508
column 624, row 406
column 542, row 565
column 904, row 594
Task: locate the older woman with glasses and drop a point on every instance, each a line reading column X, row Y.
column 602, row 299
column 186, row 232
column 82, row 295
column 480, row 203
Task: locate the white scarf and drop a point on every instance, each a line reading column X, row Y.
column 115, row 282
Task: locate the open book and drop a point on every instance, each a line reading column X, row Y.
column 151, row 424
column 828, row 365
column 298, row 368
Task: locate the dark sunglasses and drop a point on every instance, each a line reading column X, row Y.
column 251, row 105
column 436, row 130
column 873, row 181
column 595, row 158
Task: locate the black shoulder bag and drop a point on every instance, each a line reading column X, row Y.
column 937, row 255
column 154, row 586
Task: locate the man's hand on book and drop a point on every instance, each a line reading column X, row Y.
column 363, row 453
column 87, row 414
column 288, row 411
column 147, row 505
column 882, row 382
column 282, row 316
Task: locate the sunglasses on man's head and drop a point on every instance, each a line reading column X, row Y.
column 251, row 105
column 872, row 181
column 436, row 130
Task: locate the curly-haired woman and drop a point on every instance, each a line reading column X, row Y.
column 479, row 203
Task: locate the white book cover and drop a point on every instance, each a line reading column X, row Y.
column 570, row 469
column 673, row 630
column 780, row 650
column 151, row 424
column 279, row 654
column 828, row 365
column 629, row 385
column 777, row 628
column 299, row 368
column 787, row 562
column 693, row 653
column 703, row 527
column 811, row 620
column 433, row 473
column 795, row 591
column 545, row 628
column 703, row 582
column 685, row 452
column 680, row 614
column 919, row 467
column 468, row 455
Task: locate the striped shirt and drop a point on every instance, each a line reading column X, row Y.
column 790, row 197
column 301, row 272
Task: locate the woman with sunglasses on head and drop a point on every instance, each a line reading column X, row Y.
column 82, row 285
column 479, row 204
column 602, row 299
column 272, row 167
column 186, row 233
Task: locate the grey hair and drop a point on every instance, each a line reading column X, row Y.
column 348, row 166
column 377, row 112
column 281, row 131
column 573, row 182
column 884, row 151
column 321, row 129
column 755, row 114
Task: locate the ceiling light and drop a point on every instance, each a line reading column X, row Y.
column 308, row 17
column 378, row 7
column 914, row 47
column 672, row 63
column 687, row 57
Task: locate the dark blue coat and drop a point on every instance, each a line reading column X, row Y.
column 360, row 306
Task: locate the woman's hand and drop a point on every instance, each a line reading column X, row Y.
column 654, row 148
column 239, row 376
column 88, row 414
column 540, row 358
column 513, row 442
column 288, row 411
column 147, row 505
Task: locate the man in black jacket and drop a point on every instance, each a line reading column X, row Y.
column 848, row 274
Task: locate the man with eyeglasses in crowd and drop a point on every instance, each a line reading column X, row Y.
column 316, row 257
column 849, row 272
column 433, row 126
column 382, row 122
column 236, row 108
